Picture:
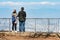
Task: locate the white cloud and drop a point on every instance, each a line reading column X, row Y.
column 28, row 3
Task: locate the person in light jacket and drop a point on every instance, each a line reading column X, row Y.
column 14, row 21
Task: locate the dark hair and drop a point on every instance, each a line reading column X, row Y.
column 14, row 11
column 22, row 8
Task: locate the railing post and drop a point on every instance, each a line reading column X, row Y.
column 58, row 25
column 48, row 24
column 35, row 25
column 9, row 24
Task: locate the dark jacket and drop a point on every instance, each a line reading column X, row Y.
column 22, row 15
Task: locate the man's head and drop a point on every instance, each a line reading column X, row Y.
column 22, row 8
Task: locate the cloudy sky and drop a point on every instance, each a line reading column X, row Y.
column 33, row 8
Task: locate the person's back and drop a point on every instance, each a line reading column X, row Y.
column 14, row 19
column 22, row 15
column 22, row 18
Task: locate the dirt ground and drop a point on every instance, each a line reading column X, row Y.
column 21, row 38
column 24, row 36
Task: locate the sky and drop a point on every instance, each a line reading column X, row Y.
column 33, row 8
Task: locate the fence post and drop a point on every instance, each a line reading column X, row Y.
column 9, row 24
column 48, row 24
column 35, row 25
column 58, row 25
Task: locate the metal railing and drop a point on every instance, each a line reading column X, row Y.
column 33, row 24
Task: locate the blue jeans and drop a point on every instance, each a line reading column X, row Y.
column 22, row 26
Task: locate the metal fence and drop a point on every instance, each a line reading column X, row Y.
column 33, row 24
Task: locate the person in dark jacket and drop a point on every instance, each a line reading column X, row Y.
column 22, row 19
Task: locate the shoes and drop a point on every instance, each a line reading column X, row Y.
column 16, row 31
column 12, row 31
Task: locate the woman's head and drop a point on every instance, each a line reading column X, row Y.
column 14, row 11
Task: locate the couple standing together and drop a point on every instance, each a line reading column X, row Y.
column 21, row 16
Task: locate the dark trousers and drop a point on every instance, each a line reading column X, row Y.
column 14, row 28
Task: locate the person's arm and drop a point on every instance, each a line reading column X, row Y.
column 18, row 14
column 25, row 14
